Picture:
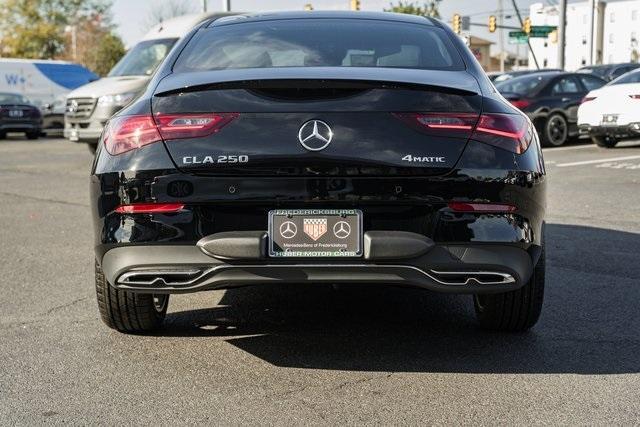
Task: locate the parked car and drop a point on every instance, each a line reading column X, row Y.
column 612, row 113
column 551, row 101
column 45, row 83
column 609, row 72
column 319, row 148
column 18, row 114
column 501, row 77
column 89, row 107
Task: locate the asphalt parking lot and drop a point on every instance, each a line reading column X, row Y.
column 312, row 355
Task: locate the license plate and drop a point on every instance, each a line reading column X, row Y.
column 15, row 113
column 315, row 233
column 73, row 135
column 609, row 119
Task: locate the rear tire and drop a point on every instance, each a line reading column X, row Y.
column 129, row 312
column 33, row 135
column 514, row 311
column 604, row 141
column 555, row 131
column 3, row 135
column 92, row 148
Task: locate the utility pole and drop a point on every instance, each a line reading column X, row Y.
column 501, row 34
column 226, row 5
column 562, row 25
column 592, row 4
column 533, row 54
column 204, row 6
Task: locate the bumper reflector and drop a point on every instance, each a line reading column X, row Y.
column 149, row 208
column 482, row 207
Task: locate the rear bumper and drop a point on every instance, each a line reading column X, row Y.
column 627, row 130
column 27, row 126
column 471, row 269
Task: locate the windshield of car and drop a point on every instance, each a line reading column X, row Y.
column 143, row 58
column 320, row 43
column 13, row 98
column 632, row 77
column 523, row 85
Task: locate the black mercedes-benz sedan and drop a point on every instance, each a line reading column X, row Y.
column 551, row 100
column 319, row 148
column 18, row 114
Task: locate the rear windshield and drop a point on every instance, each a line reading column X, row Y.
column 12, row 98
column 598, row 71
column 524, row 85
column 320, row 43
column 633, row 77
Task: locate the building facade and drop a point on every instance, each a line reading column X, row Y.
column 616, row 27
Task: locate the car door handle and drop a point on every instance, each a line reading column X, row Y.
column 566, row 99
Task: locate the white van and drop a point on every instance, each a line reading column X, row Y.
column 45, row 83
column 90, row 106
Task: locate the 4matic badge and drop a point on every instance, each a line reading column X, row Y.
column 424, row 159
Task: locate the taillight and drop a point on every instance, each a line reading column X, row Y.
column 482, row 207
column 587, row 99
column 634, row 96
column 520, row 103
column 443, row 124
column 509, row 131
column 126, row 133
column 181, row 126
column 149, row 208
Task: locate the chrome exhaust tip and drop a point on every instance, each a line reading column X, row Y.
column 157, row 277
column 461, row 278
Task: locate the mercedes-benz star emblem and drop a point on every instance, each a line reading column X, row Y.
column 288, row 230
column 73, row 106
column 341, row 229
column 315, row 135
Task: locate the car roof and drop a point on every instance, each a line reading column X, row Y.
column 324, row 14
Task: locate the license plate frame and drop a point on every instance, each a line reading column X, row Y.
column 315, row 233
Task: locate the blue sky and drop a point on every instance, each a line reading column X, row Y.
column 132, row 16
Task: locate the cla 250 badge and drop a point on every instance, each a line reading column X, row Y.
column 196, row 160
column 423, row 159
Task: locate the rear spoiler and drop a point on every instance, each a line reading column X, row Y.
column 458, row 82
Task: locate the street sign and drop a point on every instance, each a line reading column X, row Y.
column 518, row 40
column 537, row 31
column 541, row 31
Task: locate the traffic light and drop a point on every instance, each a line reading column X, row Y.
column 492, row 24
column 355, row 4
column 457, row 23
column 526, row 25
column 308, row 6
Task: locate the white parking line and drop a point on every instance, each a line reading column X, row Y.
column 592, row 162
column 576, row 147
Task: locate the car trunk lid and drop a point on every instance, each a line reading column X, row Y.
column 318, row 121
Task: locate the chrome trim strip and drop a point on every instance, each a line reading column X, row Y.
column 128, row 278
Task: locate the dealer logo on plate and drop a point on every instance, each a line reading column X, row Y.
column 314, row 227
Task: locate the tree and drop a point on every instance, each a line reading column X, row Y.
column 168, row 9
column 38, row 29
column 429, row 8
column 98, row 48
column 35, row 28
